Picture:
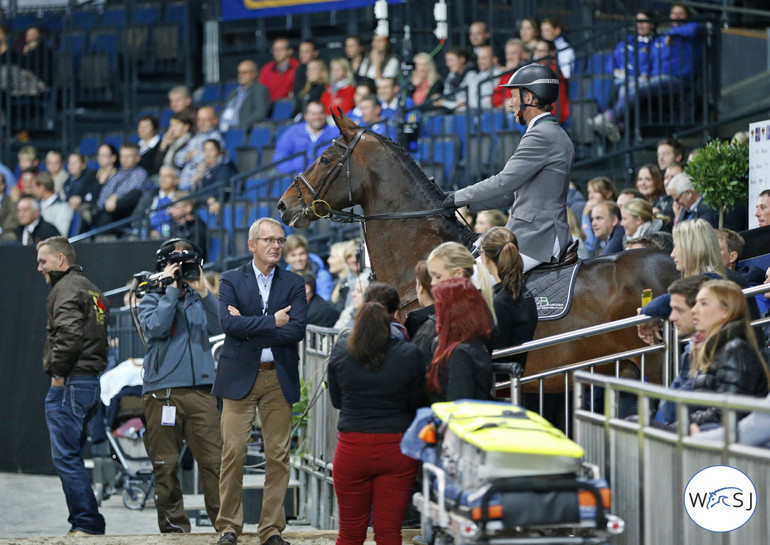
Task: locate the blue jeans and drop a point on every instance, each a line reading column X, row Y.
column 68, row 409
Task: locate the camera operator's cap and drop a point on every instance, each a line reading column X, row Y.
column 539, row 80
column 169, row 246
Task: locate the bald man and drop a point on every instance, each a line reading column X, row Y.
column 248, row 103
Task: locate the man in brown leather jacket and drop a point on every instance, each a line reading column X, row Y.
column 75, row 354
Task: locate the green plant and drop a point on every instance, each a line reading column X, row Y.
column 720, row 173
column 298, row 423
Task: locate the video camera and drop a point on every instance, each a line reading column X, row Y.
column 189, row 261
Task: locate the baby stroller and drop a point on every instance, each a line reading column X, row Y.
column 498, row 474
column 128, row 469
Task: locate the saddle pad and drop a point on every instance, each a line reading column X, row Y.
column 553, row 290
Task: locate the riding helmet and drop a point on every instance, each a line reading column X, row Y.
column 537, row 79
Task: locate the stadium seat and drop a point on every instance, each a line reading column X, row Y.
column 89, row 145
column 84, row 19
column 260, row 136
column 233, row 139
column 114, row 139
column 282, row 110
column 115, row 17
column 147, row 15
column 165, row 117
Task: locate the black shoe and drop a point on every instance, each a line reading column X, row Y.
column 276, row 540
column 227, row 538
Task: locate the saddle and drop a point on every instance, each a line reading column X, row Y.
column 553, row 284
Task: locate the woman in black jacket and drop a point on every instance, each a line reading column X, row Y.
column 725, row 357
column 514, row 306
column 421, row 323
column 376, row 381
column 461, row 367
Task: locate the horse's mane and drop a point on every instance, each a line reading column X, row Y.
column 430, row 190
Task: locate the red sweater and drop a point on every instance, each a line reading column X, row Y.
column 279, row 83
column 342, row 99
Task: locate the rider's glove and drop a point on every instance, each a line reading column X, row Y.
column 449, row 200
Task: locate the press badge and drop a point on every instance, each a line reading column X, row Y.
column 168, row 416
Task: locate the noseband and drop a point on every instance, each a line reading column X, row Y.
column 318, row 206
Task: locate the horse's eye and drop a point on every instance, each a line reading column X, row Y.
column 324, row 160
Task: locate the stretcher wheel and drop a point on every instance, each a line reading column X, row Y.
column 134, row 498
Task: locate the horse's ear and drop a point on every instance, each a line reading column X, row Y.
column 346, row 126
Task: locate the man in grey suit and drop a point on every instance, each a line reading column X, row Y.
column 536, row 177
column 247, row 103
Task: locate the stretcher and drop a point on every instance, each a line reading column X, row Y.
column 496, row 473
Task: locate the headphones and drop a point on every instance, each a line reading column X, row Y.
column 164, row 254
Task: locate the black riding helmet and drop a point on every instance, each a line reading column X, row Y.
column 539, row 80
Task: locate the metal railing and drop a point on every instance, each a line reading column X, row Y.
column 649, row 468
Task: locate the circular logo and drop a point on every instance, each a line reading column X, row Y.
column 720, row 498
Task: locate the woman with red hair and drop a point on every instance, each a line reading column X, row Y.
column 461, row 367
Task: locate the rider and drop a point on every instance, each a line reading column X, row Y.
column 536, row 177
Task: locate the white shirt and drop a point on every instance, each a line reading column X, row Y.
column 532, row 121
column 264, row 283
column 27, row 234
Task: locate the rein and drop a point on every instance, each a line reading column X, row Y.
column 321, row 209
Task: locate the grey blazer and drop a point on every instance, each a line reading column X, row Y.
column 535, row 180
column 255, row 107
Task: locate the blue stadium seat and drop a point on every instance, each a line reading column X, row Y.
column 492, row 121
column 210, row 93
column 115, row 17
column 279, row 130
column 282, row 110
column 147, row 15
column 165, row 117
column 84, row 19
column 233, row 139
column 229, row 87
column 445, row 151
column 23, row 22
column 600, row 90
column 115, row 139
column 133, row 138
column 89, row 145
column 105, row 41
column 259, row 137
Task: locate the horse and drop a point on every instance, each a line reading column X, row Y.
column 404, row 221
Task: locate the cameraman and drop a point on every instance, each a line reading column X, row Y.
column 178, row 375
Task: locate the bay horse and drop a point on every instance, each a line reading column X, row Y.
column 404, row 222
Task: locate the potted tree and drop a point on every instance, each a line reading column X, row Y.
column 720, row 173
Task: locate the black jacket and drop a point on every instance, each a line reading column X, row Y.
column 321, row 313
column 421, row 326
column 735, row 369
column 467, row 375
column 42, row 231
column 76, row 330
column 516, row 321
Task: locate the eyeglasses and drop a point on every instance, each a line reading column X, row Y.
column 682, row 194
column 270, row 241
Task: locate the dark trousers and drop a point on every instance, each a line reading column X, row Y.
column 197, row 422
column 68, row 409
column 371, row 476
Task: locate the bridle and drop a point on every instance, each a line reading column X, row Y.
column 320, row 208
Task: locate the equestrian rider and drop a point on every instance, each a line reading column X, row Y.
column 535, row 180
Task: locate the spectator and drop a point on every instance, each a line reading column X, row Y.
column 386, row 295
column 726, row 357
column 371, row 117
column 754, row 430
column 763, row 208
column 681, row 190
column 32, row 228
column 421, row 323
column 529, row 33
column 638, row 219
column 120, row 195
column 299, row 258
column 425, row 82
column 453, row 260
column 339, row 92
column 107, row 159
column 215, row 170
column 486, row 219
column 599, row 189
column 303, row 140
column 364, row 88
column 631, row 60
column 278, row 74
column 348, row 315
column 731, row 248
column 376, row 381
column 7, row 54
column 80, row 176
column 478, row 36
column 27, row 157
column 486, row 61
column 676, row 54
column 7, row 174
column 669, row 151
column 75, row 354
column 389, row 93
column 626, row 194
column 36, row 55
column 577, row 234
column 609, row 233
column 52, row 209
column 191, row 156
column 461, row 367
column 185, row 223
column 174, row 139
column 180, row 101
column 9, row 219
column 339, row 267
column 160, row 219
column 515, row 310
column 516, row 56
column 149, row 144
column 381, row 62
column 177, row 376
column 54, row 164
column 659, row 240
column 248, row 103
column 671, row 170
column 27, row 181
column 355, row 51
column 258, row 370
column 551, row 30
column 460, row 89
column 307, row 52
column 649, row 182
column 315, row 85
column 545, row 55
column 319, row 312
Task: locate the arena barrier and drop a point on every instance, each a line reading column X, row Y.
column 649, row 468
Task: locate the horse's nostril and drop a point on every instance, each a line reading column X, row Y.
column 281, row 206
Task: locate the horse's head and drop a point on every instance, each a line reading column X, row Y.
column 328, row 183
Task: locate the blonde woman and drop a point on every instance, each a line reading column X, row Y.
column 339, row 92
column 339, row 267
column 425, row 83
column 639, row 219
column 317, row 80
